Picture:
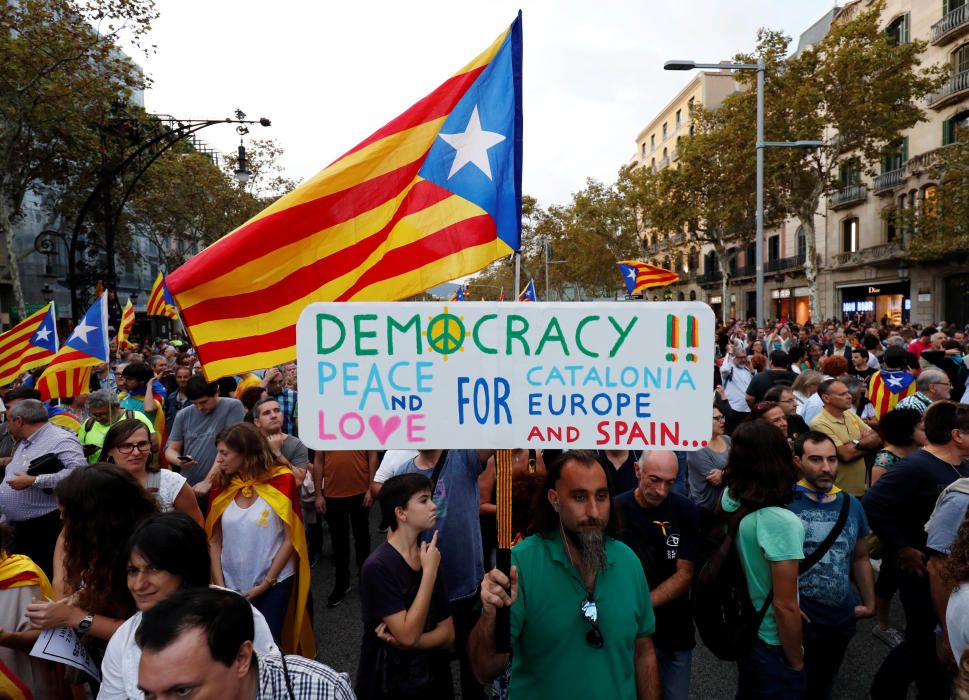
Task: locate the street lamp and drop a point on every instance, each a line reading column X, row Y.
column 761, row 68
column 242, row 172
column 48, row 292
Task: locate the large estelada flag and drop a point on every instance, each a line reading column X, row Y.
column 69, row 372
column 639, row 276
column 31, row 343
column 432, row 196
column 160, row 302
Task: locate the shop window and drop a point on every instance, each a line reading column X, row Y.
column 849, row 236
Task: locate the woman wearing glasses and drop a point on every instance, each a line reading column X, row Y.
column 128, row 445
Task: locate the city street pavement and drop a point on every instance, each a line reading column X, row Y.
column 339, row 630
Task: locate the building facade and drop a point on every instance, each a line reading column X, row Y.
column 862, row 267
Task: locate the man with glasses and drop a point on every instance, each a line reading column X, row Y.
column 898, row 507
column 105, row 411
column 851, row 436
column 28, row 502
column 581, row 617
column 932, row 385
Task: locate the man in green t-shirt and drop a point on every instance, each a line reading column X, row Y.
column 581, row 618
column 104, row 410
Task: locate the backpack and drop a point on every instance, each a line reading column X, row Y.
column 725, row 618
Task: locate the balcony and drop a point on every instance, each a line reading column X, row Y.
column 782, row 264
column 889, row 180
column 951, row 26
column 869, row 256
column 677, row 239
column 710, row 277
column 663, row 163
column 916, row 165
column 956, row 89
column 848, row 196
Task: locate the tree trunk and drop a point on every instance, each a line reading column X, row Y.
column 6, row 229
column 724, row 285
column 805, row 216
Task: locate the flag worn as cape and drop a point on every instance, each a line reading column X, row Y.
column 887, row 387
column 281, row 492
column 432, row 196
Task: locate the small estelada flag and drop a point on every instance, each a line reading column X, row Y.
column 639, row 276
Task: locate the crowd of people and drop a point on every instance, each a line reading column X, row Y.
column 172, row 523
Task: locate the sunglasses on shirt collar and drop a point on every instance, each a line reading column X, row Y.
column 590, row 613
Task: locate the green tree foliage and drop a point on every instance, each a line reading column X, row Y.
column 939, row 227
column 61, row 70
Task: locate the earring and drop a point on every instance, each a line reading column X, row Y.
column 556, row 506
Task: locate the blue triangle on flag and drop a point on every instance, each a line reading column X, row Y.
column 90, row 336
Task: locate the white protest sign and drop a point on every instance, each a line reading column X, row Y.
column 62, row 646
column 489, row 375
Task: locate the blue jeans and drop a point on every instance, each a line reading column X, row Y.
column 674, row 673
column 824, row 650
column 764, row 675
column 273, row 605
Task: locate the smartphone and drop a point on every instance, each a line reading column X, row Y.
column 185, row 458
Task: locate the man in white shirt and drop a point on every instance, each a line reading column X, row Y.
column 735, row 375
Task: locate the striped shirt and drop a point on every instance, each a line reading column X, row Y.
column 918, row 401
column 310, row 680
column 32, row 502
column 287, row 404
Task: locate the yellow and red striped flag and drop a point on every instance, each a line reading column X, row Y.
column 432, row 196
column 639, row 276
column 160, row 301
column 127, row 323
column 31, row 343
column 69, row 372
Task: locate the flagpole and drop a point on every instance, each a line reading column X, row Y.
column 518, row 270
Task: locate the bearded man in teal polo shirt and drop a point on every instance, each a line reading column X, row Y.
column 581, row 618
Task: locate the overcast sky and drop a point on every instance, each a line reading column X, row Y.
column 330, row 73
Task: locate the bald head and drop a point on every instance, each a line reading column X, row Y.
column 657, row 471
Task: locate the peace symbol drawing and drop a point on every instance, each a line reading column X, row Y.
column 446, row 333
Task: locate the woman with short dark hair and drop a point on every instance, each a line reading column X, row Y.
column 167, row 553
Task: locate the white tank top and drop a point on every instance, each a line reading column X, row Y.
column 250, row 539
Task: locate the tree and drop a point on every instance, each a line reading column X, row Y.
column 711, row 192
column 62, row 70
column 186, row 202
column 856, row 88
column 939, row 225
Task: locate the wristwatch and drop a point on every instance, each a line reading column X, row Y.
column 84, row 625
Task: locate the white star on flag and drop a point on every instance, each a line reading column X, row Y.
column 631, row 274
column 43, row 334
column 893, row 381
column 83, row 329
column 472, row 146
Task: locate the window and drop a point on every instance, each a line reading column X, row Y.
column 690, row 103
column 750, row 255
column 667, row 263
column 680, row 266
column 950, row 5
column 693, row 262
column 691, row 130
column 960, row 60
column 666, row 130
column 644, row 148
column 895, row 156
column 666, row 154
column 891, row 230
column 678, row 117
column 801, row 244
column 693, row 296
column 652, row 142
column 710, row 263
column 652, row 163
column 774, row 248
column 930, row 201
column 849, row 236
column 952, row 127
column 898, row 30
column 848, row 174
